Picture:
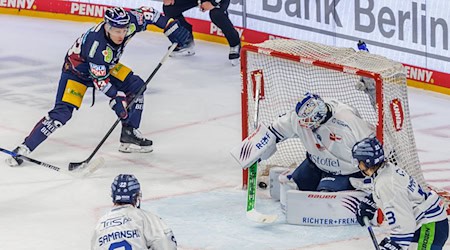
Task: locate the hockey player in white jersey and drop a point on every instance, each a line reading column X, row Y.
column 126, row 226
column 328, row 130
column 416, row 217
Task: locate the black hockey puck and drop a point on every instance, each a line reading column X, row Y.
column 262, row 185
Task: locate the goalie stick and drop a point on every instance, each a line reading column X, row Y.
column 371, row 233
column 252, row 214
column 75, row 165
column 83, row 172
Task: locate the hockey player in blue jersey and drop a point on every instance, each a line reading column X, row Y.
column 417, row 217
column 93, row 61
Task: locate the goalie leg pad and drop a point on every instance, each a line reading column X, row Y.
column 330, row 209
column 274, row 182
column 260, row 145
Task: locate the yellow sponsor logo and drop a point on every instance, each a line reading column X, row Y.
column 74, row 93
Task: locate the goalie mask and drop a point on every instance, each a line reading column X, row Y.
column 126, row 189
column 311, row 111
column 370, row 151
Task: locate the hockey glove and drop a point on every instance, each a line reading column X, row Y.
column 119, row 105
column 367, row 208
column 387, row 244
column 177, row 33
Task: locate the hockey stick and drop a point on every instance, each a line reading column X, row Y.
column 252, row 214
column 75, row 165
column 89, row 169
column 371, row 233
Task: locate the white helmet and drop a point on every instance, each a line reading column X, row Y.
column 311, row 110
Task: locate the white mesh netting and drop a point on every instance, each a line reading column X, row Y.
column 286, row 79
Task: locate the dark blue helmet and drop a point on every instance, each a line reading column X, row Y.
column 311, row 110
column 125, row 189
column 370, row 151
column 117, row 17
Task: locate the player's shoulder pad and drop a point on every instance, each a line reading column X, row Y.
column 95, row 33
column 385, row 181
column 93, row 45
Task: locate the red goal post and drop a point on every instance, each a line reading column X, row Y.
column 290, row 68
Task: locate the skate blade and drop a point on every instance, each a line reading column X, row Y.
column 183, row 52
column 234, row 62
column 132, row 148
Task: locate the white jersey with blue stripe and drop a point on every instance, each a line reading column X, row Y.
column 128, row 227
column 404, row 203
column 329, row 146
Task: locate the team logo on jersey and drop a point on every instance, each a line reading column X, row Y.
column 335, row 137
column 246, row 151
column 329, row 162
column 397, row 114
column 97, row 70
column 107, row 54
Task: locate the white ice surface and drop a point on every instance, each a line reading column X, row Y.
column 192, row 114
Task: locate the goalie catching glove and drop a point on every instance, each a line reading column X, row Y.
column 260, row 145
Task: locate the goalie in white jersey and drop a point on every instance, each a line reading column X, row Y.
column 416, row 217
column 126, row 226
column 328, row 131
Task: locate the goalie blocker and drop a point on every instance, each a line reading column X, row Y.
column 260, row 145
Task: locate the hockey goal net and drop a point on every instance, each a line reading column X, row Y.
column 289, row 68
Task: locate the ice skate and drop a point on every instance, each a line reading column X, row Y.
column 234, row 54
column 132, row 141
column 14, row 161
column 187, row 50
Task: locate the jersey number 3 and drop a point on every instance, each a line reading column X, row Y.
column 390, row 217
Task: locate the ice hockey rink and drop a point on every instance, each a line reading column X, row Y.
column 192, row 114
